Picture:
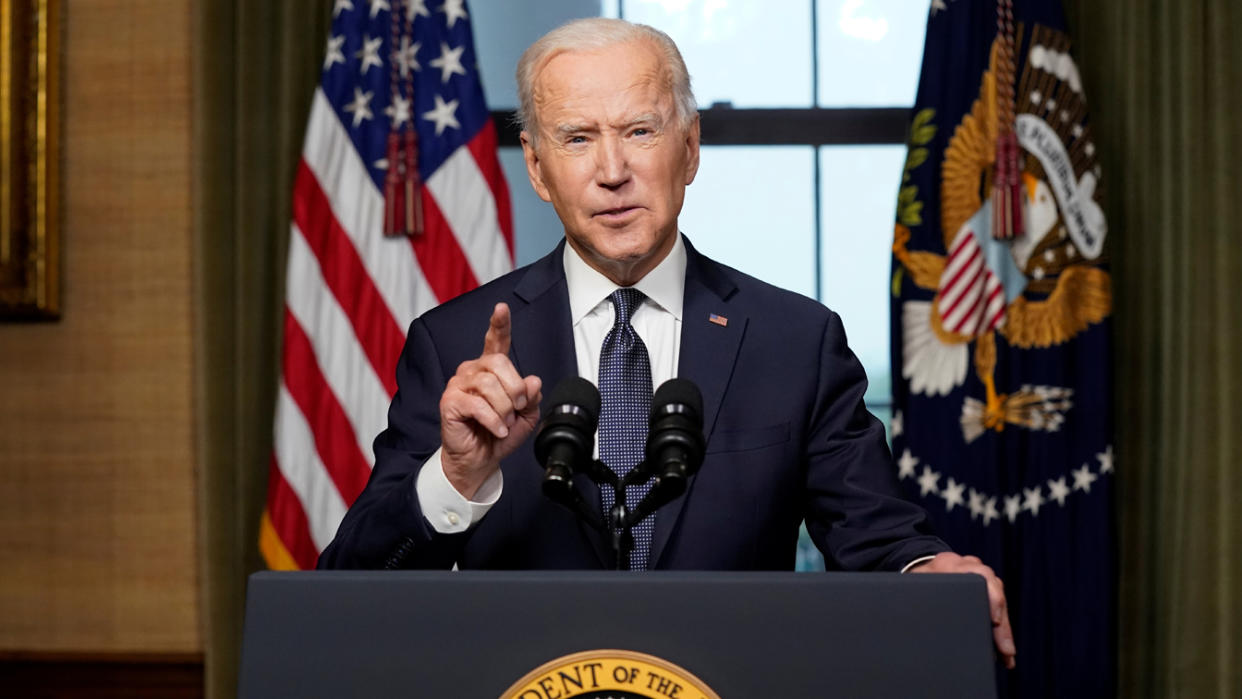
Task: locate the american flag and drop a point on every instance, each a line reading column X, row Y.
column 372, row 245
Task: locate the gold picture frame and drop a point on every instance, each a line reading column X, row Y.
column 29, row 156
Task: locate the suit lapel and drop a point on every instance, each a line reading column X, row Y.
column 543, row 345
column 708, row 351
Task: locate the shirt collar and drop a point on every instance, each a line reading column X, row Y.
column 665, row 285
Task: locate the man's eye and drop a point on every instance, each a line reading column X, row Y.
column 641, row 132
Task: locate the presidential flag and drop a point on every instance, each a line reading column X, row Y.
column 1002, row 423
column 398, row 204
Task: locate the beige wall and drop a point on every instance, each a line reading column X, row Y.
column 97, row 519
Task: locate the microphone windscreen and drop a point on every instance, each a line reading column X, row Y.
column 577, row 391
column 678, row 396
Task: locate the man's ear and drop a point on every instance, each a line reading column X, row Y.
column 534, row 169
column 692, row 149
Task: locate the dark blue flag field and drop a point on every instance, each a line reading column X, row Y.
column 1001, row 306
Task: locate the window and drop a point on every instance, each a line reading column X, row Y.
column 804, row 108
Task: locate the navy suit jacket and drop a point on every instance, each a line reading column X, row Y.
column 788, row 438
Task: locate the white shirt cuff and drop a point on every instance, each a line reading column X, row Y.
column 909, row 565
column 448, row 511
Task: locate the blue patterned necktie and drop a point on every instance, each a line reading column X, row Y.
column 625, row 398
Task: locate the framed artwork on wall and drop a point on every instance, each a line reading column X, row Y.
column 29, row 158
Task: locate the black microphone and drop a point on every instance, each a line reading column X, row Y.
column 675, row 444
column 565, row 441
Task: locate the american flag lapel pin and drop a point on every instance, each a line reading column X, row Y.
column 718, row 320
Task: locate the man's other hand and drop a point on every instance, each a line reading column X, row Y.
column 487, row 411
column 949, row 562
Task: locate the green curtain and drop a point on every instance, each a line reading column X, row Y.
column 1163, row 78
column 255, row 67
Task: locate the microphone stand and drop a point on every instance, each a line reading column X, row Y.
column 621, row 519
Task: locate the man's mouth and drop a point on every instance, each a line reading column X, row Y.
column 619, row 213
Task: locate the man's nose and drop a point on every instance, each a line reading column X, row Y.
column 612, row 165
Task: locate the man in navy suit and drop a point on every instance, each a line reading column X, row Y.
column 611, row 139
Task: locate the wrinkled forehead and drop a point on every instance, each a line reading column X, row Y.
column 574, row 78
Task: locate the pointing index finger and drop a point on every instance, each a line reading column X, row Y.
column 499, row 331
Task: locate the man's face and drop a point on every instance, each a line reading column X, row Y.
column 611, row 156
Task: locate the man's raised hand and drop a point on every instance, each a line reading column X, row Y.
column 487, row 411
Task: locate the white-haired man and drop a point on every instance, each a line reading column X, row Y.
column 611, row 139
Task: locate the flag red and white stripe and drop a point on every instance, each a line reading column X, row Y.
column 972, row 300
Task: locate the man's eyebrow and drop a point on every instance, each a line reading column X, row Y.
column 653, row 118
column 573, row 127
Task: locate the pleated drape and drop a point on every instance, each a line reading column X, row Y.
column 1164, row 77
column 255, row 67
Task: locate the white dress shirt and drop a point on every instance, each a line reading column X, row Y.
column 657, row 321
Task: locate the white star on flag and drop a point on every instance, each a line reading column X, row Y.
column 1058, row 490
column 360, row 107
column 341, row 5
column 937, row 6
column 895, row 425
column 453, row 10
column 906, row 464
column 1083, row 478
column 952, row 494
column 1106, row 460
column 1034, row 500
column 377, row 6
column 928, row 482
column 334, row 54
column 444, row 115
column 1013, row 505
column 449, row 62
column 989, row 511
column 406, row 57
column 414, row 8
column 976, row 503
column 369, row 53
column 398, row 111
